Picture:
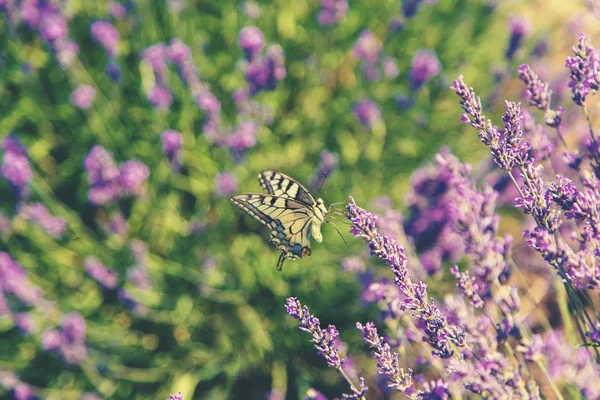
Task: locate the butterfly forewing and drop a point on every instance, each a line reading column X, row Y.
column 279, row 184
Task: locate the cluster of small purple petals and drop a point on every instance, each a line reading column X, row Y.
column 15, row 163
column 156, row 56
column 226, row 184
column 323, row 339
column 540, row 95
column 172, row 144
column 469, row 287
column 520, row 27
column 176, row 396
column 106, row 35
column 432, row 390
column 410, row 7
column 368, row 49
column 531, row 348
column 424, row 66
column 25, row 322
column 69, row 341
column 332, row 11
column 387, row 361
column 432, row 323
column 536, row 198
column 14, row 281
column 367, row 112
column 20, row 390
column 83, row 96
column 38, row 214
column 264, row 73
column 109, row 182
column 252, row 41
column 542, row 147
column 584, row 70
column 507, row 146
column 106, row 277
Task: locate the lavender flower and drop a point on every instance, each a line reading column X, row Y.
column 410, row 7
column 507, row 146
column 160, row 96
column 367, row 113
column 519, row 27
column 367, row 49
column 51, row 340
column 83, row 96
column 172, row 143
column 437, row 331
column 133, row 175
column 327, row 165
column 176, row 396
column 390, row 68
column 14, row 281
column 323, row 339
column 117, row 224
column 265, row 73
column 39, row 215
column 22, row 391
column 387, row 362
column 106, row 277
column 107, row 35
column 24, row 321
column 15, row 163
column 251, row 41
column 243, row 138
column 332, row 11
column 584, row 70
column 118, row 11
column 103, row 174
column 425, row 65
column 226, row 184
column 540, row 95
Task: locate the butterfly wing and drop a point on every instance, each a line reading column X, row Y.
column 278, row 184
column 289, row 220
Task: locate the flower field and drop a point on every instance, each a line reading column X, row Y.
column 455, row 145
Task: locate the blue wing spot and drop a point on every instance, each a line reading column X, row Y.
column 296, row 249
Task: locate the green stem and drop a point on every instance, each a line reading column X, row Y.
column 544, row 370
column 562, row 139
column 347, row 378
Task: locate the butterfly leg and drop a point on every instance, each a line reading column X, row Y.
column 280, row 261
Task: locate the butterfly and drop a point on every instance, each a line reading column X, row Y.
column 289, row 210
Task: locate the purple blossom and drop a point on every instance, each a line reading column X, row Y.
column 66, row 52
column 39, row 215
column 22, row 391
column 83, row 96
column 118, row 11
column 160, row 96
column 367, row 48
column 133, row 175
column 328, row 163
column 266, row 72
column 15, row 163
column 519, row 27
column 176, row 396
column 507, row 146
column 387, row 361
column 251, row 41
column 106, row 277
column 425, row 65
column 117, row 224
column 14, row 281
column 226, row 184
column 390, row 68
column 584, row 70
column 367, row 113
column 332, row 11
column 437, row 331
column 172, row 144
column 107, row 35
column 323, row 339
column 25, row 323
column 209, row 103
column 540, row 95
column 52, row 26
column 51, row 339
column 410, row 7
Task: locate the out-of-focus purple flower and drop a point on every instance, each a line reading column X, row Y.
column 73, row 328
column 584, row 69
column 354, row 264
column 266, row 72
column 52, row 26
column 118, row 11
column 156, row 56
column 107, row 35
column 243, row 138
column 390, row 68
column 540, row 95
column 251, row 9
column 160, row 96
column 410, row 7
column 520, row 27
column 133, row 175
column 387, row 361
column 117, row 224
column 15, row 163
column 507, row 146
column 251, row 41
column 437, row 331
column 313, row 394
column 327, row 165
column 367, row 48
column 25, row 323
column 139, row 277
column 39, row 215
column 332, row 11
column 542, row 147
column 106, row 277
column 22, row 391
column 14, row 281
column 367, row 113
column 323, row 339
column 113, row 71
column 176, row 396
column 209, row 103
column 425, row 65
column 51, row 340
column 172, row 144
column 66, row 52
column 226, row 184
column 103, row 174
column 83, row 96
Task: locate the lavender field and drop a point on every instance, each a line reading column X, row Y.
column 456, row 147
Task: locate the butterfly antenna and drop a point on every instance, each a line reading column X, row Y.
column 337, row 230
column 280, row 261
column 321, row 185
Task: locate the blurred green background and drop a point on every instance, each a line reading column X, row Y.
column 214, row 324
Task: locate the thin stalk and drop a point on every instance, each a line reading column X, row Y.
column 347, row 378
column 594, row 142
column 544, row 370
column 562, row 139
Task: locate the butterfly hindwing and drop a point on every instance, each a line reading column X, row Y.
column 288, row 219
column 278, row 184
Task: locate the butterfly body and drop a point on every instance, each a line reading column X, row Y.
column 289, row 210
